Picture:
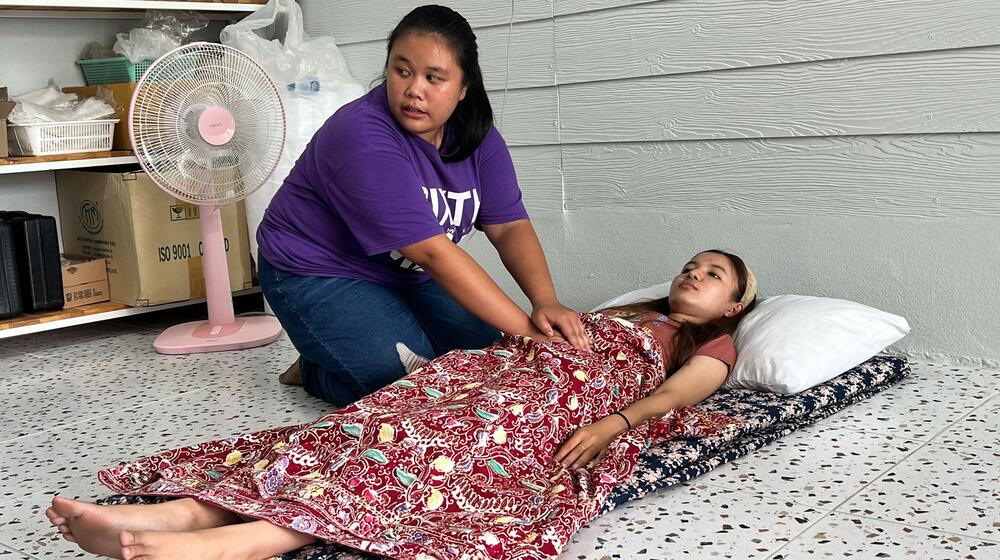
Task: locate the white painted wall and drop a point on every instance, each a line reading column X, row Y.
column 845, row 148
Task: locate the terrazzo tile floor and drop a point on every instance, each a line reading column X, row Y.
column 911, row 473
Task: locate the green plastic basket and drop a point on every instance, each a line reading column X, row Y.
column 114, row 70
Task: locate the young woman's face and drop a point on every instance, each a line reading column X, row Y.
column 704, row 289
column 424, row 84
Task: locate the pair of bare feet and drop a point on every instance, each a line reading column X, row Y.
column 181, row 529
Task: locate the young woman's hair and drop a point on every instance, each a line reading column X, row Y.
column 473, row 117
column 690, row 336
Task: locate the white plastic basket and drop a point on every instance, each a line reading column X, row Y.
column 45, row 139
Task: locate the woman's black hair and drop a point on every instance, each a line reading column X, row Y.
column 473, row 117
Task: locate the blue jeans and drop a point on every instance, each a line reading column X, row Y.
column 348, row 331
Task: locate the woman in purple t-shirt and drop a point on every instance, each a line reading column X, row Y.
column 358, row 254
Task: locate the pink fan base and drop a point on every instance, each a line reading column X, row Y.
column 202, row 336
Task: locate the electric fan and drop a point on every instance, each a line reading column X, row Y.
column 208, row 127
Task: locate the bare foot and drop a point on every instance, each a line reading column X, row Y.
column 244, row 541
column 170, row 545
column 292, row 375
column 96, row 528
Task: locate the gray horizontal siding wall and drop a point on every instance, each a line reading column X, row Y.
column 845, row 148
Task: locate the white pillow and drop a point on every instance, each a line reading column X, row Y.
column 645, row 294
column 790, row 343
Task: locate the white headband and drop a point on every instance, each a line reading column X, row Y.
column 751, row 290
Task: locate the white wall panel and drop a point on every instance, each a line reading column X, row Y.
column 946, row 91
column 932, row 176
column 548, row 226
column 532, row 56
column 538, row 173
column 351, row 21
column 31, row 192
column 563, row 7
column 695, row 35
column 364, row 60
column 62, row 40
column 527, row 116
column 846, row 148
column 909, row 266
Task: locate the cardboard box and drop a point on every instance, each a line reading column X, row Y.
column 119, row 95
column 84, row 282
column 5, row 108
column 151, row 240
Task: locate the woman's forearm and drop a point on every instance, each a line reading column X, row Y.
column 653, row 406
column 462, row 277
column 522, row 255
column 694, row 382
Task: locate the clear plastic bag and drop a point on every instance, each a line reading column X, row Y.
column 311, row 74
column 179, row 25
column 97, row 50
column 161, row 32
column 274, row 36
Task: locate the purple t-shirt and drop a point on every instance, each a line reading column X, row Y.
column 364, row 187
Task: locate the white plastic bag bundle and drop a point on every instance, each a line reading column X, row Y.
column 50, row 104
column 311, row 74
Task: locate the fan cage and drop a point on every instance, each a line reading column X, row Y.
column 164, row 124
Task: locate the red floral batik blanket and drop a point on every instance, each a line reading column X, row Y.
column 452, row 461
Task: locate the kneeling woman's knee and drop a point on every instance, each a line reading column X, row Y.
column 344, row 382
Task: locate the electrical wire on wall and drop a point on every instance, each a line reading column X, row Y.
column 506, row 77
column 503, row 104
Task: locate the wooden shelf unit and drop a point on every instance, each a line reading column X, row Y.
column 99, row 9
column 31, row 164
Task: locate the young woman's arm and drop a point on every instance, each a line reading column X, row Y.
column 522, row 255
column 462, row 277
column 692, row 383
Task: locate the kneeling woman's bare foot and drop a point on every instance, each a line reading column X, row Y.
column 256, row 540
column 96, row 528
column 292, row 375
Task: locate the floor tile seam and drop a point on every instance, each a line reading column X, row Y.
column 57, row 354
column 826, row 514
column 961, row 418
column 833, row 508
column 100, row 416
column 922, row 444
column 50, row 353
column 886, row 433
column 921, row 440
column 761, row 494
column 15, row 550
column 922, row 528
column 831, row 514
column 876, row 478
column 879, row 476
column 959, row 446
column 924, row 439
column 64, row 350
column 47, row 355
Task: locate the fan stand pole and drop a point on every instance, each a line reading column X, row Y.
column 215, row 267
column 222, row 331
